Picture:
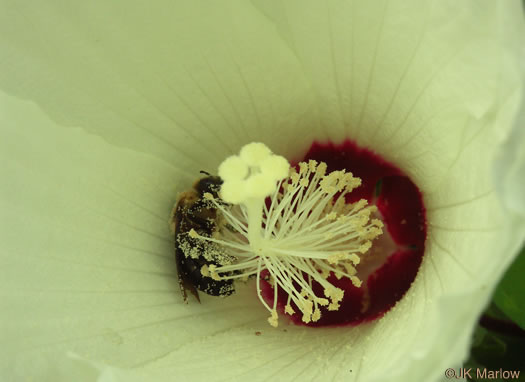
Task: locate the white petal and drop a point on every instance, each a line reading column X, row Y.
column 387, row 73
column 87, row 256
column 510, row 167
column 187, row 81
column 433, row 87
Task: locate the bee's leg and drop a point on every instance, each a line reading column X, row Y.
column 182, row 289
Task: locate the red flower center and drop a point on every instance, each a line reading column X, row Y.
column 391, row 266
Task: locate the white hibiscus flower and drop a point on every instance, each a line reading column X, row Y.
column 109, row 108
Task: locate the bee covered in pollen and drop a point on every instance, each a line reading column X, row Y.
column 195, row 215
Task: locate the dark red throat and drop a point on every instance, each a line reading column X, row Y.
column 391, row 267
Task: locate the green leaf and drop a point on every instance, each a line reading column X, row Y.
column 497, row 343
column 493, row 311
column 509, row 296
column 495, row 351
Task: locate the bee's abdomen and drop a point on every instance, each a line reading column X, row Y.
column 193, row 253
column 205, row 284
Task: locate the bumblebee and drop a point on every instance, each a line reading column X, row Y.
column 194, row 212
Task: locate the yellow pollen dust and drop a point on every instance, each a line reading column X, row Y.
column 293, row 228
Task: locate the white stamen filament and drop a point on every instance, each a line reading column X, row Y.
column 305, row 231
